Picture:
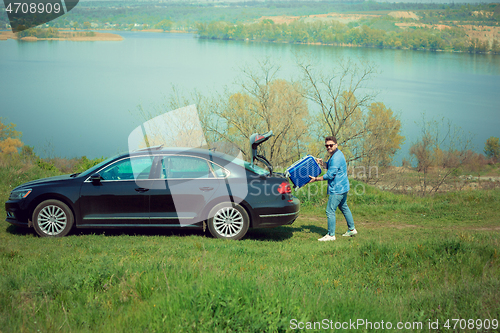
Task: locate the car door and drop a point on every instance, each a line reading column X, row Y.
column 184, row 186
column 122, row 195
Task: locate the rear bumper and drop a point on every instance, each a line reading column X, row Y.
column 286, row 215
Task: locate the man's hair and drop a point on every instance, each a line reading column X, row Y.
column 331, row 138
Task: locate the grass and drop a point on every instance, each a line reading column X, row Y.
column 461, row 208
column 415, row 260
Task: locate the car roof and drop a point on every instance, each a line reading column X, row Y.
column 180, row 151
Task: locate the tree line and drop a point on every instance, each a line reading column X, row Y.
column 335, row 33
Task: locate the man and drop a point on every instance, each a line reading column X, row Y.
column 338, row 186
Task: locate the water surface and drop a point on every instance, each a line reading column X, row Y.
column 80, row 98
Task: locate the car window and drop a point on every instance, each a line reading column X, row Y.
column 96, row 167
column 249, row 166
column 129, row 169
column 185, row 167
column 219, row 171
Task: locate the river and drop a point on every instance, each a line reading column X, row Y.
column 71, row 99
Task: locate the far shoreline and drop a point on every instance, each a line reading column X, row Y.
column 100, row 35
column 109, row 36
column 65, row 35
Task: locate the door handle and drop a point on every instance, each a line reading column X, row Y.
column 142, row 189
column 206, row 189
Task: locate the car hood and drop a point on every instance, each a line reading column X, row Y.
column 45, row 181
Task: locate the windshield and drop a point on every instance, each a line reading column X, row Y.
column 96, row 167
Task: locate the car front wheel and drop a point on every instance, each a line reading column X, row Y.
column 228, row 220
column 52, row 218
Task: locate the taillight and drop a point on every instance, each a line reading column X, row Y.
column 284, row 188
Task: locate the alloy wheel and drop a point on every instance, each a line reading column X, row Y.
column 228, row 222
column 52, row 220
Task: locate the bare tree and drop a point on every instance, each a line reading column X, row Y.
column 367, row 131
column 173, row 124
column 343, row 102
column 264, row 103
column 443, row 146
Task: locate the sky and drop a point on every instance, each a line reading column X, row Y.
column 404, row 1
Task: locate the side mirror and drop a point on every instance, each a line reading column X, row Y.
column 95, row 178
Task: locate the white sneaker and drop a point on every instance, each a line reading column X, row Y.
column 350, row 233
column 326, row 238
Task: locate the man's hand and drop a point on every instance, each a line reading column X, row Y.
column 320, row 162
column 313, row 179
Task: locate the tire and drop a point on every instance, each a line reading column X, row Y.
column 228, row 220
column 52, row 218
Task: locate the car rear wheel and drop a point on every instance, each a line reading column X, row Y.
column 228, row 220
column 52, row 218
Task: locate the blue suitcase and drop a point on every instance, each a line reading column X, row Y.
column 300, row 171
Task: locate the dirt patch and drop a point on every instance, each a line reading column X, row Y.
column 441, row 27
column 280, row 19
column 410, row 15
column 29, row 39
column 482, row 32
column 403, row 226
column 342, row 18
column 378, row 225
column 483, row 13
column 407, row 25
column 365, row 224
column 492, row 228
column 4, row 35
column 99, row 36
column 422, row 25
column 73, row 36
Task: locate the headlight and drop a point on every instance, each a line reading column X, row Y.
column 19, row 194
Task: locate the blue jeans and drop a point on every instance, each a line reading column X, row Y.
column 340, row 201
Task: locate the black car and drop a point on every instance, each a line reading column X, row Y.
column 191, row 188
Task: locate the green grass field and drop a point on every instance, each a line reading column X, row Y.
column 415, row 260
